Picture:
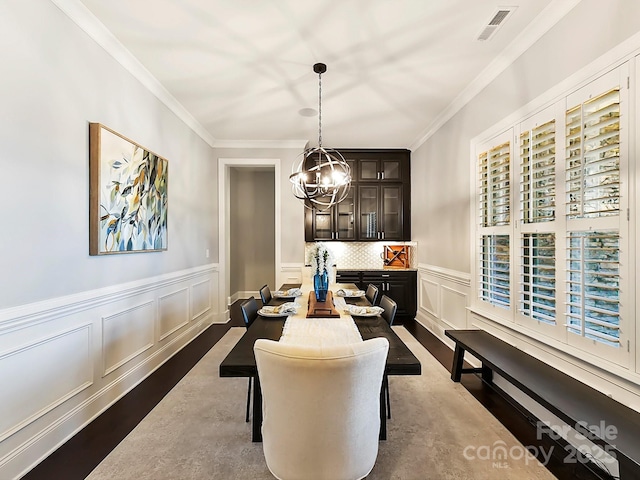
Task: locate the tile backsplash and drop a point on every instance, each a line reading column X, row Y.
column 360, row 255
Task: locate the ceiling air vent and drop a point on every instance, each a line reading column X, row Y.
column 497, row 20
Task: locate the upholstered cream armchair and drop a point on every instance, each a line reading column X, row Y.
column 321, row 408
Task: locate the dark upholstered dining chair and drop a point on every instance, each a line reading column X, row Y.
column 249, row 309
column 372, row 294
column 265, row 295
column 389, row 308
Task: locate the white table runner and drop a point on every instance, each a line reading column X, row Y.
column 321, row 332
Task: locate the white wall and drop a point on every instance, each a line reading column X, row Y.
column 77, row 332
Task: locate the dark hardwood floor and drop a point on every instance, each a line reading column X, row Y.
column 82, row 453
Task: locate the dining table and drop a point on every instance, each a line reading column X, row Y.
column 241, row 362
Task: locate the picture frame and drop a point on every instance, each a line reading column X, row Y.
column 128, row 195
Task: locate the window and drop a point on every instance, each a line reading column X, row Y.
column 560, row 263
column 494, row 188
column 538, row 278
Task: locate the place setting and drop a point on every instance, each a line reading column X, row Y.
column 363, row 311
column 350, row 293
column 284, row 310
column 290, row 293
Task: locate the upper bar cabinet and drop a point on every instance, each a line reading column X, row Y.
column 379, row 203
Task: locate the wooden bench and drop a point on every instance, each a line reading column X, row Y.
column 601, row 419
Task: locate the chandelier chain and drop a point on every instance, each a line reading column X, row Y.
column 319, row 110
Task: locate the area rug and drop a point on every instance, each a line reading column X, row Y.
column 437, row 431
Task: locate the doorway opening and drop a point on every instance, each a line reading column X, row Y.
column 249, row 226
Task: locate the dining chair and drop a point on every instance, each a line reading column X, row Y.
column 372, row 294
column 249, row 309
column 321, row 408
column 389, row 308
column 265, row 295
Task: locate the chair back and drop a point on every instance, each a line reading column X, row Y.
column 249, row 309
column 321, row 408
column 372, row 294
column 389, row 307
column 265, row 295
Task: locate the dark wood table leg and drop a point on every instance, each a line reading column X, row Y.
column 383, row 414
column 256, row 421
column 458, row 360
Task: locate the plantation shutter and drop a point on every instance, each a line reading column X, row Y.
column 593, row 193
column 538, row 277
column 593, row 157
column 537, row 174
column 494, row 188
column 594, row 285
column 494, row 281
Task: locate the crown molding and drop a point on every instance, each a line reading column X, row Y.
column 297, row 144
column 87, row 21
column 549, row 17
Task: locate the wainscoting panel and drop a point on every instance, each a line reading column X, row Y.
column 454, row 307
column 173, row 312
column 127, row 334
column 443, row 298
column 27, row 369
column 200, row 298
column 65, row 360
column 291, row 273
column 430, row 297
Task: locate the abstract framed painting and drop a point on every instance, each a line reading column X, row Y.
column 128, row 195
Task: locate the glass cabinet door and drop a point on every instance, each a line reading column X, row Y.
column 369, row 221
column 392, row 212
column 322, row 225
column 345, row 216
column 369, row 170
column 391, row 170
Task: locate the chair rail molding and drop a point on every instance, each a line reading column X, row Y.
column 85, row 351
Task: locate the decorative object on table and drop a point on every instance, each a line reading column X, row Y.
column 285, row 309
column 346, row 292
column 290, row 293
column 397, row 256
column 321, row 262
column 322, row 309
column 322, row 178
column 127, row 195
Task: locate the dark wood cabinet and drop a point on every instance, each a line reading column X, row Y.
column 379, row 202
column 400, row 285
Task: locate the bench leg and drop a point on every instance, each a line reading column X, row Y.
column 458, row 359
column 487, row 374
column 627, row 469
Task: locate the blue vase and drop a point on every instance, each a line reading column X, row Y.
column 321, row 285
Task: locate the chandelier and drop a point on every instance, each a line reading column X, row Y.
column 322, row 177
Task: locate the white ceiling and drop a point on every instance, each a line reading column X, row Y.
column 396, row 68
